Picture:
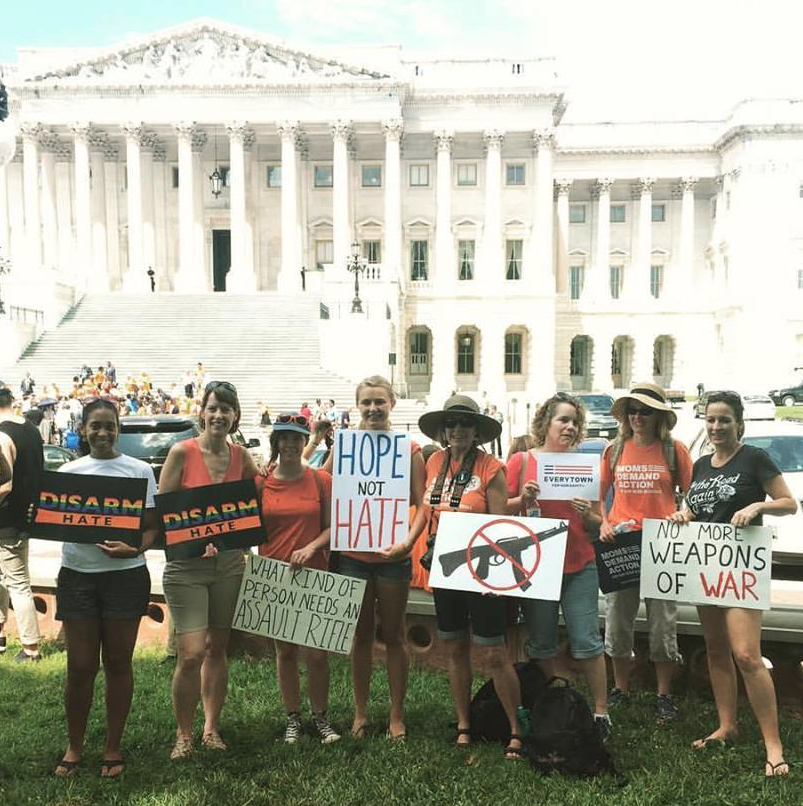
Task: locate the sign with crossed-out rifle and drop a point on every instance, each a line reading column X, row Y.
column 507, row 556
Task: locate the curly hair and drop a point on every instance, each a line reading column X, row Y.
column 546, row 411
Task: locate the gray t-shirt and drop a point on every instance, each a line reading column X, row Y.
column 87, row 557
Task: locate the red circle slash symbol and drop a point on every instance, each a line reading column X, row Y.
column 515, row 530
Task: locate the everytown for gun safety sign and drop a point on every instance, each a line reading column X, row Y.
column 506, row 556
column 370, row 490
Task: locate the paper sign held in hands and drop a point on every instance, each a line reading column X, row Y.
column 563, row 476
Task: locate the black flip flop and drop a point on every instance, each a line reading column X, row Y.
column 69, row 766
column 462, row 732
column 515, row 753
column 112, row 764
column 774, row 768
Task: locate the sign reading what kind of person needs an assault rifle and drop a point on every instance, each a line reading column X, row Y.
column 298, row 605
column 226, row 515
column 563, row 476
column 370, row 490
column 510, row 556
column 707, row 563
column 77, row 508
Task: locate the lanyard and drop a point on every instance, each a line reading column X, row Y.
column 459, row 483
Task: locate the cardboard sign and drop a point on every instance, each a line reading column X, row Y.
column 619, row 563
column 227, row 515
column 563, row 476
column 370, row 490
column 707, row 563
column 508, row 556
column 298, row 605
column 77, row 508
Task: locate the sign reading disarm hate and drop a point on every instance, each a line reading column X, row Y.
column 370, row 490
column 77, row 508
column 707, row 563
column 298, row 605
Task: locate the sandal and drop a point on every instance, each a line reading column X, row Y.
column 182, row 748
column 360, row 732
column 773, row 768
column 515, row 753
column 712, row 741
column 212, row 741
column 395, row 737
column 462, row 732
column 69, row 767
column 109, row 764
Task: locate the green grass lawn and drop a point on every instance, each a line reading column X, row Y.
column 789, row 412
column 658, row 763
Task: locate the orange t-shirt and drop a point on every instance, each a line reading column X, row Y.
column 579, row 551
column 292, row 512
column 195, row 473
column 474, row 497
column 643, row 486
column 372, row 556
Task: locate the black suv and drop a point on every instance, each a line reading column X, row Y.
column 787, row 396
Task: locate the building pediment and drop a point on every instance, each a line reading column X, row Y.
column 205, row 52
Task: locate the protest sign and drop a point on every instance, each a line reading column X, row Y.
column 707, row 563
column 78, row 508
column 226, row 515
column 298, row 605
column 497, row 554
column 370, row 490
column 563, row 476
column 619, row 563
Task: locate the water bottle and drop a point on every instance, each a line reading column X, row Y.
column 623, row 527
column 523, row 718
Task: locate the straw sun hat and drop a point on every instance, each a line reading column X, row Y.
column 647, row 394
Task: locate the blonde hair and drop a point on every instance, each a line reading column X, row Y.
column 520, row 444
column 546, row 411
column 375, row 380
column 662, row 429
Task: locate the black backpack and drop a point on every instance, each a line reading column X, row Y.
column 487, row 717
column 563, row 736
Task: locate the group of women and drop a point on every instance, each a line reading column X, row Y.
column 103, row 589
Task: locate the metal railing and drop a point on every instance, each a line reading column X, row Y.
column 28, row 316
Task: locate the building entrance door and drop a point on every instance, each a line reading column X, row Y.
column 221, row 257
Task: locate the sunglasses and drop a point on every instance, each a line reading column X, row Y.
column 296, row 419
column 212, row 385
column 643, row 412
column 457, row 422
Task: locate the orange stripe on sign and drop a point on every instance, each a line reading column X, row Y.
column 209, row 530
column 82, row 519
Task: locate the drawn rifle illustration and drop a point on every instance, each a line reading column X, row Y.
column 486, row 555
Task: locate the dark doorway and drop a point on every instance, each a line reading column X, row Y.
column 221, row 257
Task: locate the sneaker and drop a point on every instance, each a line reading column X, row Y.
column 603, row 726
column 23, row 657
column 292, row 731
column 617, row 697
column 2, row 644
column 665, row 709
column 324, row 729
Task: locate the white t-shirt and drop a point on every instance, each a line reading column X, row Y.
column 87, row 557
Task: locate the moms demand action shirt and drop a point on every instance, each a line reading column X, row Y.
column 716, row 493
column 642, row 483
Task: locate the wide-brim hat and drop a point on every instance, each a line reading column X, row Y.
column 291, row 421
column 650, row 395
column 432, row 423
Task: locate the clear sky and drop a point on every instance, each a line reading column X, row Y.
column 636, row 59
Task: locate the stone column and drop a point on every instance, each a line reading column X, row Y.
column 201, row 250
column 162, row 265
column 241, row 278
column 50, row 232
column 5, row 223
column 562, row 189
column 97, row 205
column 391, row 260
column 148, row 142
column 683, row 282
column 135, row 279
column 444, row 240
column 637, row 279
column 289, row 279
column 111, row 170
column 30, row 177
column 65, row 181
column 340, row 196
column 597, row 285
column 544, row 145
column 443, row 362
column 489, row 270
column 187, row 276
column 83, row 213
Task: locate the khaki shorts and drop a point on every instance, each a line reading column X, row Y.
column 621, row 609
column 202, row 593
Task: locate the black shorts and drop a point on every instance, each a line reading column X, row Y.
column 113, row 595
column 455, row 610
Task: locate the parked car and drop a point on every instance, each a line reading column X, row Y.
column 788, row 395
column 676, row 396
column 783, row 441
column 56, row 456
column 600, row 422
column 758, row 407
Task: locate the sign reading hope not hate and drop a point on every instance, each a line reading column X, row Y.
column 370, row 490
column 226, row 515
column 563, row 476
column 77, row 508
column 298, row 605
column 707, row 563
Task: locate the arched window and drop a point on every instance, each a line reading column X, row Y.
column 465, row 352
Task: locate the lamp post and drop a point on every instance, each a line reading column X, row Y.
column 355, row 265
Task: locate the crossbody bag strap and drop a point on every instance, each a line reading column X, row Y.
column 321, row 496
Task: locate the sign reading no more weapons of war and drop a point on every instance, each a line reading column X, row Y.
column 298, row 605
column 226, row 515
column 506, row 556
column 77, row 508
column 370, row 490
column 563, row 476
column 707, row 563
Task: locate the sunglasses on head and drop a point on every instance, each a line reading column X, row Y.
column 456, row 422
column 297, row 419
column 645, row 412
column 212, row 385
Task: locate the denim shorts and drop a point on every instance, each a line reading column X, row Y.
column 578, row 600
column 401, row 571
column 456, row 610
column 113, row 595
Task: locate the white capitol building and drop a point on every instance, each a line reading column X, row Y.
column 504, row 251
